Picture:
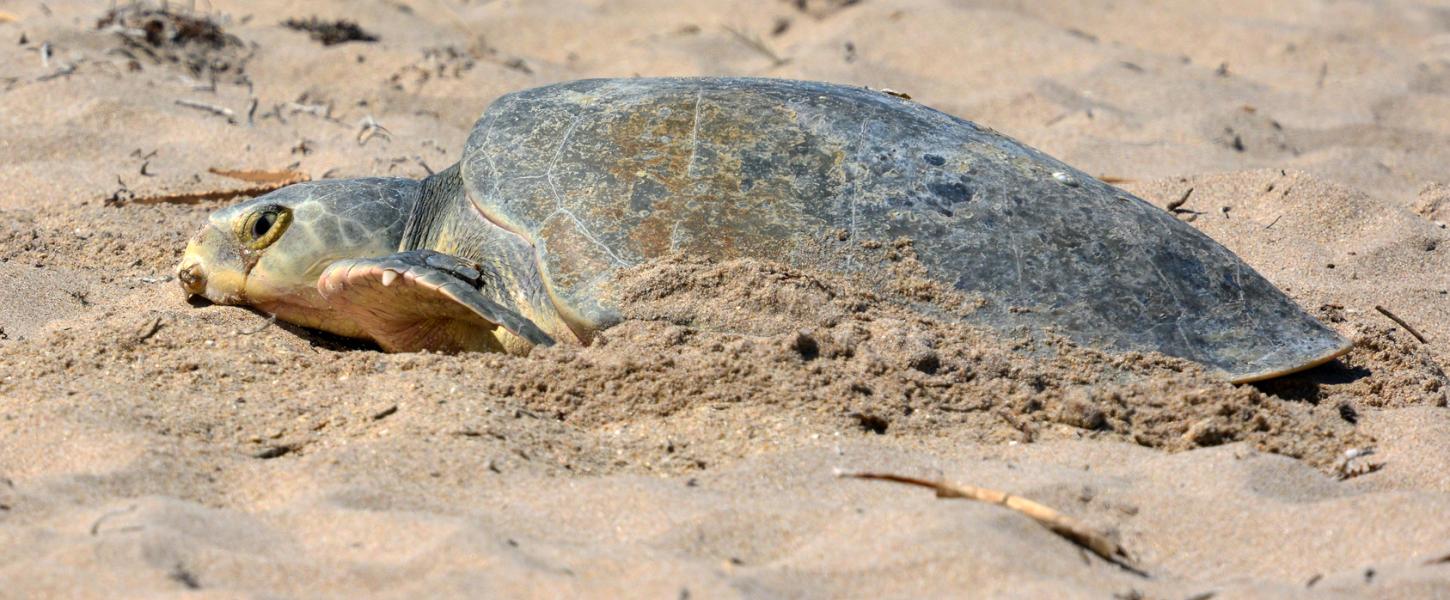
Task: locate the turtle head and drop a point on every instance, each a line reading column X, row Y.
column 269, row 251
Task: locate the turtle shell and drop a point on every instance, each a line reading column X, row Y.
column 604, row 174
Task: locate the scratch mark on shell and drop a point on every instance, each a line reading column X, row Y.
column 558, row 152
column 860, row 143
column 694, row 135
column 587, row 234
column 675, row 237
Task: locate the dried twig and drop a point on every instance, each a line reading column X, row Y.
column 63, row 71
column 148, row 330
column 1401, row 322
column 1174, row 205
column 1063, row 525
column 271, row 452
column 331, row 32
column 755, row 43
column 220, row 111
column 284, row 177
column 271, row 319
column 199, row 86
column 195, row 197
column 96, row 526
column 369, row 127
column 321, row 111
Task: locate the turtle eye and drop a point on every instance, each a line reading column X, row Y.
column 264, row 226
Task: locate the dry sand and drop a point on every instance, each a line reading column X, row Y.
column 149, row 448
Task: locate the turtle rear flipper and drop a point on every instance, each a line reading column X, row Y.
column 425, row 300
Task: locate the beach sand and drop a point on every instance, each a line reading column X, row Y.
column 151, row 448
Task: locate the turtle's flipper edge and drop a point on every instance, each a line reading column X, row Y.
column 424, row 300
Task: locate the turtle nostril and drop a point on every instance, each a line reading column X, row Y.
column 193, row 281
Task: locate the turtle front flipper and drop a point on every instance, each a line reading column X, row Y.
column 426, row 300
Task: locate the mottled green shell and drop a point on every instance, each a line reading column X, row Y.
column 604, row 174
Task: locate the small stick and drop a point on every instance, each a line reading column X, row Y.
column 271, row 452
column 198, row 197
column 96, row 526
column 419, row 160
column 1173, row 206
column 1063, row 525
column 199, row 86
column 370, row 127
column 271, row 319
column 1401, row 322
column 755, row 44
column 321, row 111
column 61, row 72
column 220, row 111
column 149, row 330
column 285, row 176
column 316, row 110
column 1276, row 220
column 264, row 181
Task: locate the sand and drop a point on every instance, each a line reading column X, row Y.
column 152, row 448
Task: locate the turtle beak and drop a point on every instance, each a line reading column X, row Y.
column 192, row 278
column 212, row 268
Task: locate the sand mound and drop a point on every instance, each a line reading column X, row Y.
column 831, row 357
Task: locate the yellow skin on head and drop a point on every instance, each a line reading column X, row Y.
column 274, row 253
column 269, row 252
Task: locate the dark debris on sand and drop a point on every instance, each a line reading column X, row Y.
column 331, row 32
column 196, row 42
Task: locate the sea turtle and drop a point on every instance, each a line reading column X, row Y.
column 560, row 187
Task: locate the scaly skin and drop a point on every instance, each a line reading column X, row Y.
column 316, row 225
